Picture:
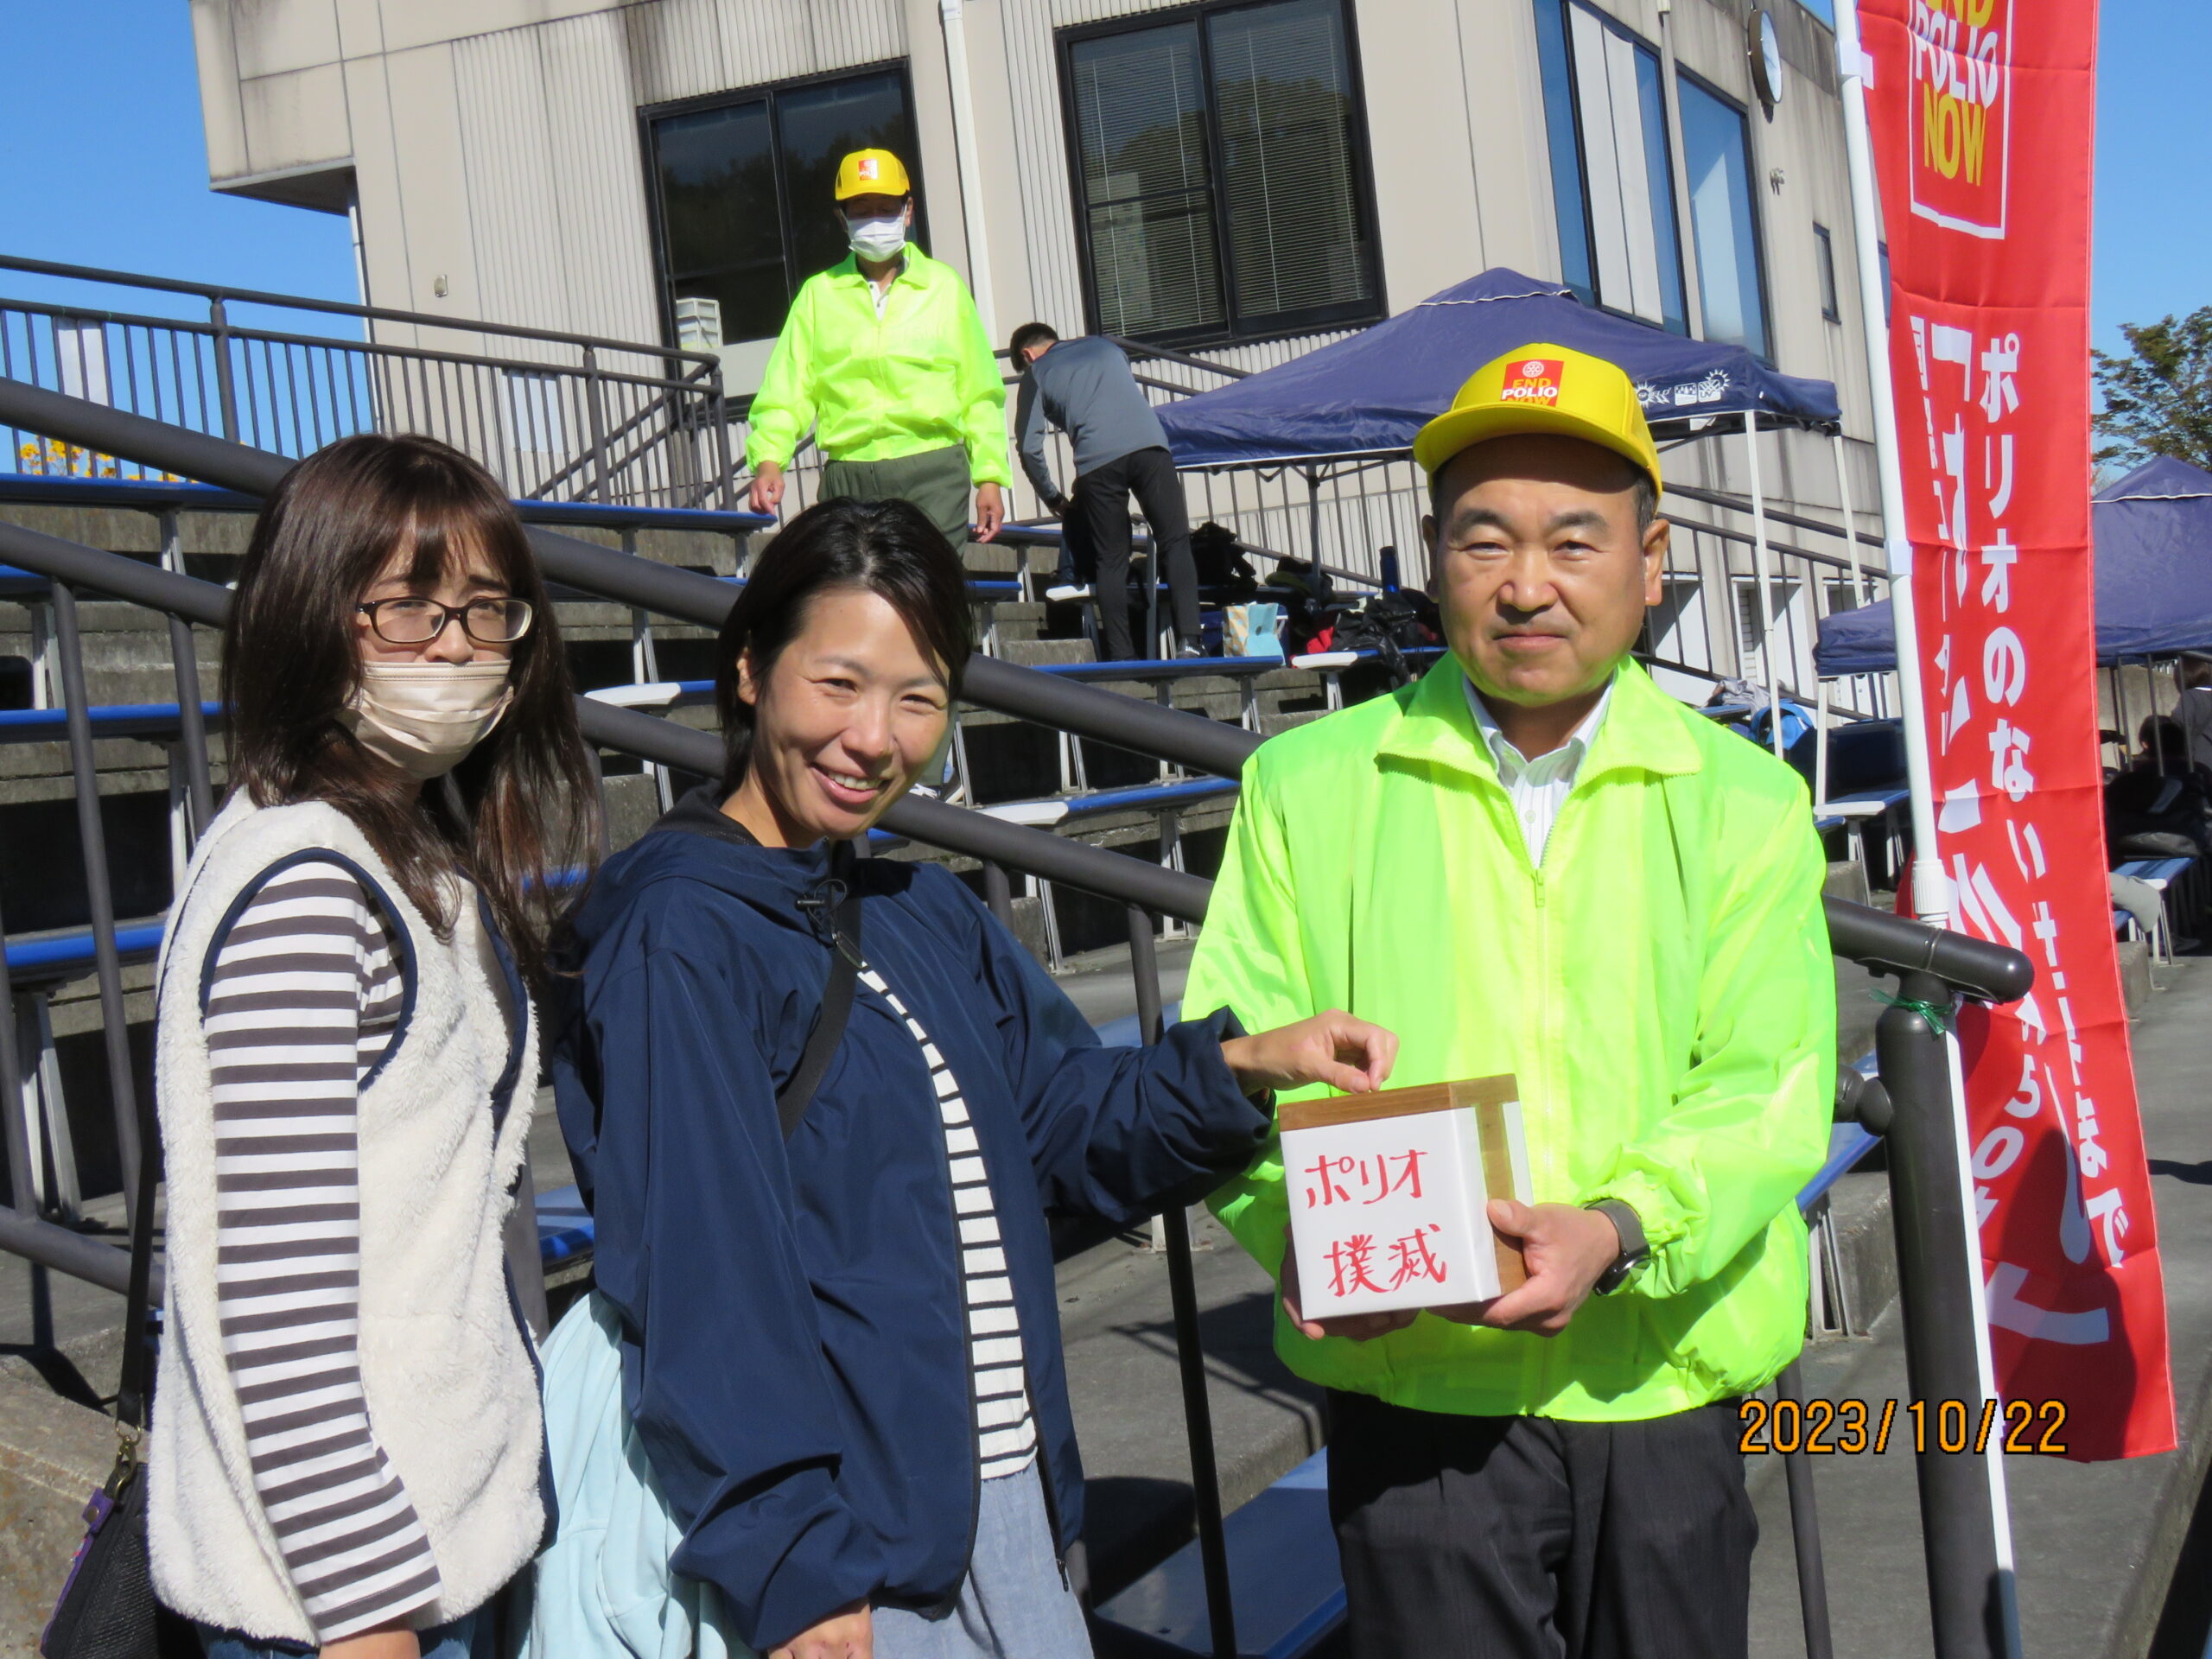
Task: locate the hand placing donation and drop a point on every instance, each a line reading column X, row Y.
column 1333, row 1048
column 847, row 1635
column 1566, row 1249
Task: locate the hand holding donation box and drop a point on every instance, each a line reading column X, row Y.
column 1388, row 1193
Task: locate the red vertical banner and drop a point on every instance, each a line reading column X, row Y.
column 1982, row 117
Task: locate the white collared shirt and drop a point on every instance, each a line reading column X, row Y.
column 1538, row 787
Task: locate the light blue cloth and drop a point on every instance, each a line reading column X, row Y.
column 1014, row 1604
column 603, row 1590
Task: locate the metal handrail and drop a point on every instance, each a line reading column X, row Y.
column 216, row 291
column 1105, row 717
column 377, row 348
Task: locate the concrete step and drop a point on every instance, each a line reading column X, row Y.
column 53, row 1455
column 1037, row 653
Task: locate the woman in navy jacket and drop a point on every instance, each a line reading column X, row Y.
column 841, row 1352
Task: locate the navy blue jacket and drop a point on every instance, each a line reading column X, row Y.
column 794, row 1342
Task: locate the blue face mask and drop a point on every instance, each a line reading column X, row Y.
column 877, row 239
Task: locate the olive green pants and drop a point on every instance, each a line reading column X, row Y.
column 935, row 480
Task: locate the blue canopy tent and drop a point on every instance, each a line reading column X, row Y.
column 1365, row 397
column 2153, row 538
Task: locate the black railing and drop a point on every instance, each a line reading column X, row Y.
column 1913, row 1105
column 552, row 415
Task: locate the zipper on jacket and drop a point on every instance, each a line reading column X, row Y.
column 1045, row 1480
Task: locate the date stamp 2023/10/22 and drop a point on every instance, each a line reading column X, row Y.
column 1850, row 1428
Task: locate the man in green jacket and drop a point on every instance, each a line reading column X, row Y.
column 1535, row 861
column 883, row 356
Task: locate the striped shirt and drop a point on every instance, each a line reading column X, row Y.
column 304, row 999
column 1005, row 1432
column 1539, row 787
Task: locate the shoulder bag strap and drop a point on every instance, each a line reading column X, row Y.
column 840, row 903
column 130, row 1389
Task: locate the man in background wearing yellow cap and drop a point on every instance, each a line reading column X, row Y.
column 1535, row 862
column 883, row 356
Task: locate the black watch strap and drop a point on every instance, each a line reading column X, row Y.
column 1635, row 1250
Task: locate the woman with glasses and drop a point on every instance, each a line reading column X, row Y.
column 346, row 1445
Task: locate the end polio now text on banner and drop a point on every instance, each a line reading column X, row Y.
column 1982, row 113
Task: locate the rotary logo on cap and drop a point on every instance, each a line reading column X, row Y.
column 1533, row 380
column 868, row 167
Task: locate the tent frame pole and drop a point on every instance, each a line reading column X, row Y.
column 1850, row 518
column 1759, row 568
column 1931, row 889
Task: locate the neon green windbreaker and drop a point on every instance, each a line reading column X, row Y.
column 1661, row 988
column 919, row 377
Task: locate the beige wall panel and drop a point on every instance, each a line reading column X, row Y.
column 1426, row 191
column 1709, row 42
column 360, row 27
column 555, row 187
column 606, row 245
column 1506, row 99
column 286, row 35
column 940, row 164
column 677, row 50
column 432, row 189
column 296, row 120
column 215, row 51
column 408, row 23
column 1045, row 210
column 386, row 261
column 997, row 156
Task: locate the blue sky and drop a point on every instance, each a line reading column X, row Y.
column 100, row 118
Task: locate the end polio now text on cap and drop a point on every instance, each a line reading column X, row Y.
column 872, row 173
column 1546, row 390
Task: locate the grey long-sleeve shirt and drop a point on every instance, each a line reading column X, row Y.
column 1083, row 387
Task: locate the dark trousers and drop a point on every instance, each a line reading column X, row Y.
column 1527, row 1538
column 935, row 480
column 1098, row 522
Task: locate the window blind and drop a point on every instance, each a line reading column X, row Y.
column 1283, row 100
column 1140, row 111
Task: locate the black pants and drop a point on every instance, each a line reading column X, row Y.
column 1527, row 1538
column 1099, row 520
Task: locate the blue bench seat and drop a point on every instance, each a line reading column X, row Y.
column 1284, row 1580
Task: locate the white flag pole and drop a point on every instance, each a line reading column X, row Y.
column 1931, row 889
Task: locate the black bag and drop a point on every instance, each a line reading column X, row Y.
column 106, row 1609
column 1389, row 625
column 1222, row 568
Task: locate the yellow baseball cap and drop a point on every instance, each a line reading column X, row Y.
column 872, row 173
column 1543, row 389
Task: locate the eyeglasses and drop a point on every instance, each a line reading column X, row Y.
column 410, row 622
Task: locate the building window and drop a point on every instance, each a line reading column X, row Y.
column 1221, row 187
column 1613, row 181
column 1717, row 154
column 1831, row 308
column 742, row 189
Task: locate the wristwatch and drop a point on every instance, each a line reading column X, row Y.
column 1635, row 1252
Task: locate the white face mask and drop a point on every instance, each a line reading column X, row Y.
column 877, row 239
column 425, row 717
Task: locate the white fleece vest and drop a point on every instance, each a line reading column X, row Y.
column 450, row 1380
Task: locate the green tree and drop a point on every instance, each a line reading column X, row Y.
column 2158, row 399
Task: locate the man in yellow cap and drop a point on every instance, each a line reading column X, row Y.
column 883, row 357
column 1534, row 861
